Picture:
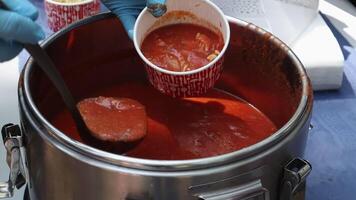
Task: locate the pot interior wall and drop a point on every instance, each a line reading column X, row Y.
column 99, row 54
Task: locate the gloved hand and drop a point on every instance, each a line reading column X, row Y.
column 128, row 10
column 17, row 26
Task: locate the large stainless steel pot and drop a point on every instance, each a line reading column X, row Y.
column 97, row 52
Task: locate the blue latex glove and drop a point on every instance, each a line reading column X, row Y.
column 17, row 26
column 128, row 10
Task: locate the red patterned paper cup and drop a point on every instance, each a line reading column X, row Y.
column 188, row 83
column 59, row 14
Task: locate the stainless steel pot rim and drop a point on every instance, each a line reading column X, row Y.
column 57, row 138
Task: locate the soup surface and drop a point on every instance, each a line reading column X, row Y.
column 182, row 47
column 188, row 128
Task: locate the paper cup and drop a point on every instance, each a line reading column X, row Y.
column 188, row 83
column 60, row 15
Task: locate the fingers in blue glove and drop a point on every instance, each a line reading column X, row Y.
column 157, row 7
column 9, row 50
column 127, row 11
column 22, row 7
column 19, row 28
column 156, row 2
column 128, row 21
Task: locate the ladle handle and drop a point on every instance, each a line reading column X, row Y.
column 46, row 64
column 48, row 67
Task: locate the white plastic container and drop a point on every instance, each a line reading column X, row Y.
column 286, row 19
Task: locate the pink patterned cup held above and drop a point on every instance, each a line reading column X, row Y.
column 183, row 83
column 61, row 13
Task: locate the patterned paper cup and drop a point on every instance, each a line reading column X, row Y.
column 62, row 13
column 188, row 83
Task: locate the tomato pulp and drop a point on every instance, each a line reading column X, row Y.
column 182, row 47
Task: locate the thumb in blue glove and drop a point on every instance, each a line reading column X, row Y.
column 17, row 26
column 128, row 10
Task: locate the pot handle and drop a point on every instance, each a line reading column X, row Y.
column 13, row 142
column 294, row 176
column 250, row 191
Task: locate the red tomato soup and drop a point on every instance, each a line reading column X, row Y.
column 178, row 129
column 182, row 47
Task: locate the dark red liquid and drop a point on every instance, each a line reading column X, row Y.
column 177, row 129
column 182, row 47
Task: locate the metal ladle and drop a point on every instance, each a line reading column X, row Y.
column 48, row 67
column 87, row 129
